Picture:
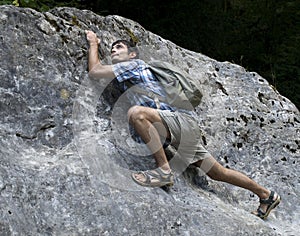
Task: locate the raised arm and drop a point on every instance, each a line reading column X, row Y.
column 96, row 68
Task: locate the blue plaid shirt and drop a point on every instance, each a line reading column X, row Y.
column 136, row 73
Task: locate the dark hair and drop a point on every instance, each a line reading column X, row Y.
column 131, row 46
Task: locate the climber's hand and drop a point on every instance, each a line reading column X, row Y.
column 92, row 37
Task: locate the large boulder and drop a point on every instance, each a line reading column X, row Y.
column 65, row 163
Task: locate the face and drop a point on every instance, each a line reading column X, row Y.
column 119, row 53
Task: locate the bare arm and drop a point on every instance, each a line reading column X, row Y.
column 96, row 69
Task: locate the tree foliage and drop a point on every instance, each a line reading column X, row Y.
column 261, row 35
column 43, row 5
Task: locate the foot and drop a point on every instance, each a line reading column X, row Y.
column 266, row 205
column 153, row 178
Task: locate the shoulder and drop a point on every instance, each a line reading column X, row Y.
column 126, row 66
column 129, row 69
column 131, row 63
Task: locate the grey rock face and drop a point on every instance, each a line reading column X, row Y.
column 65, row 164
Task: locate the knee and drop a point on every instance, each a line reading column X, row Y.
column 135, row 114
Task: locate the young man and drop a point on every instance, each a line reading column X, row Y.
column 151, row 121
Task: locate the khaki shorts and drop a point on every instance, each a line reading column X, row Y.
column 185, row 137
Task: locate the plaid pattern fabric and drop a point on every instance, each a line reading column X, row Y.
column 136, row 73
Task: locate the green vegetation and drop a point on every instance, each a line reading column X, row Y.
column 261, row 35
column 43, row 5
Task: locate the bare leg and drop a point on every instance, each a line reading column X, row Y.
column 217, row 172
column 149, row 125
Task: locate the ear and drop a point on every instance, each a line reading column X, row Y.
column 132, row 55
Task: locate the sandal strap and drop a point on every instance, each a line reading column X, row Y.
column 268, row 200
column 148, row 176
column 260, row 213
column 271, row 204
column 159, row 175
